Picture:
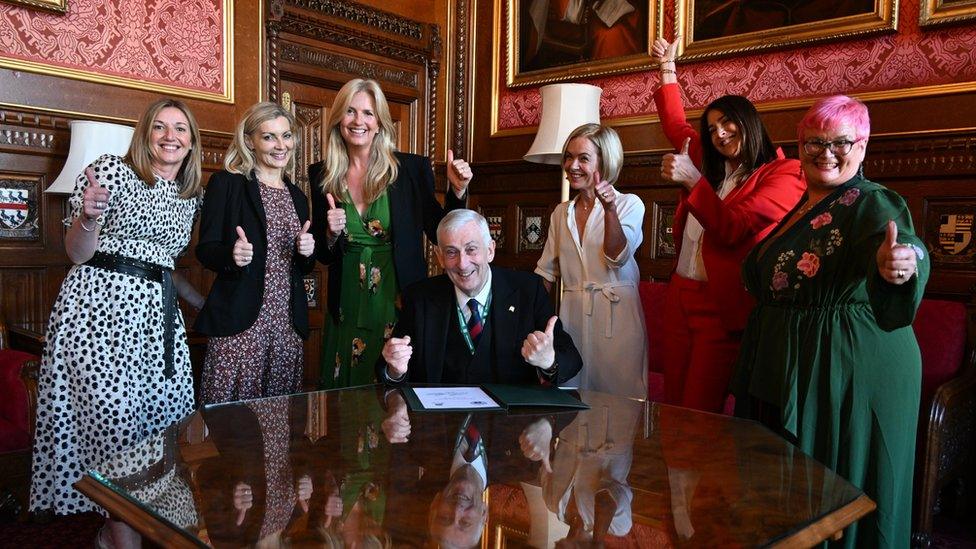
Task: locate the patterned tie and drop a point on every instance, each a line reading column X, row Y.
column 475, row 326
column 473, row 437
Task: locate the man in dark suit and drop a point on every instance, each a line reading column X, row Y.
column 476, row 323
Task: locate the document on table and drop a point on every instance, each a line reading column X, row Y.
column 454, row 398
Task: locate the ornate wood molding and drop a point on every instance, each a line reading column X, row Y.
column 344, row 36
column 420, row 46
column 274, row 76
column 355, row 12
column 462, row 30
column 317, row 58
column 937, row 155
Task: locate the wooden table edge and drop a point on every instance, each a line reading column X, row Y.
column 125, row 510
column 831, row 526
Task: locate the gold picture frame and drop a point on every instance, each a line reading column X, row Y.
column 716, row 28
column 57, row 6
column 943, row 12
column 224, row 95
column 565, row 51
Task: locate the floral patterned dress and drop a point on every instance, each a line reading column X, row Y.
column 367, row 305
column 830, row 347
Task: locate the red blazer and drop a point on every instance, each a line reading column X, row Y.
column 734, row 225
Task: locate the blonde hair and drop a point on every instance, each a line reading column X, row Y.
column 607, row 144
column 383, row 164
column 240, row 158
column 140, row 155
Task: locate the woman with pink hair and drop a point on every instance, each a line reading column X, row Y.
column 829, row 358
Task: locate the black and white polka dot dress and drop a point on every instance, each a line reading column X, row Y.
column 101, row 386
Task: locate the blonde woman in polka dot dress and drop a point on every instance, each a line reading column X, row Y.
column 116, row 367
column 254, row 235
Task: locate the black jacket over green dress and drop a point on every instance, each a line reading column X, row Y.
column 830, row 348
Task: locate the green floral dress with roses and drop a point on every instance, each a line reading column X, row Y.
column 367, row 304
column 830, row 348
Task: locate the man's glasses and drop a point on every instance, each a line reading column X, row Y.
column 840, row 147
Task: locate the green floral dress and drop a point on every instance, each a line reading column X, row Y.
column 367, row 304
column 830, row 347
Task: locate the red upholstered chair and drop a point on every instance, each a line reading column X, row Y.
column 652, row 300
column 946, row 439
column 18, row 396
column 15, row 424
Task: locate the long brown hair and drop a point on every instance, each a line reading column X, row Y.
column 140, row 155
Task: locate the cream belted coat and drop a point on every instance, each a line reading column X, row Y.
column 600, row 305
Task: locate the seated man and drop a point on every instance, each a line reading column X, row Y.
column 476, row 324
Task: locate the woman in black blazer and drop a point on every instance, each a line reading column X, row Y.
column 371, row 206
column 254, row 235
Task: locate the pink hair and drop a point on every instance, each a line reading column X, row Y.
column 834, row 111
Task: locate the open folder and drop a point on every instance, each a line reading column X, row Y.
column 488, row 397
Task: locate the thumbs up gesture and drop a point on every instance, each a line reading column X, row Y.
column 537, row 349
column 304, row 241
column 243, row 500
column 94, row 200
column 679, row 167
column 458, row 173
column 535, row 442
column 243, row 250
column 336, row 218
column 396, row 353
column 604, row 192
column 896, row 262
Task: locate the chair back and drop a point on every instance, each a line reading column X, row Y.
column 652, row 301
column 940, row 328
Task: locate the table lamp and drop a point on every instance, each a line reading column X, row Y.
column 565, row 107
column 89, row 140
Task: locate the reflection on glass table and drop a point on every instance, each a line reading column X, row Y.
column 355, row 467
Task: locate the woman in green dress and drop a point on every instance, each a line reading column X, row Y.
column 370, row 210
column 829, row 358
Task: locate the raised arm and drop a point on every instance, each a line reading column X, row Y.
column 667, row 98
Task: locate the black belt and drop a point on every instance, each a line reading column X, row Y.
column 155, row 273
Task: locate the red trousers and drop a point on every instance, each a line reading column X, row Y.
column 698, row 352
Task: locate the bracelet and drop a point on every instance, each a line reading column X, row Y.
column 81, row 221
column 668, row 71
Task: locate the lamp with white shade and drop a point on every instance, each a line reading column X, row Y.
column 565, row 107
column 89, row 140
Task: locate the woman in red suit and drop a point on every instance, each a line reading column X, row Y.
column 736, row 188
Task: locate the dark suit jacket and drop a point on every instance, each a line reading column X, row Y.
column 519, row 306
column 232, row 306
column 414, row 211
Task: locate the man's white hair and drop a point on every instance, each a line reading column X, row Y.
column 455, row 219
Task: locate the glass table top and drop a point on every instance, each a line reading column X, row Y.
column 356, row 467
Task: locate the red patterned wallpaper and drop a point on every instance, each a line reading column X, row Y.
column 910, row 58
column 177, row 43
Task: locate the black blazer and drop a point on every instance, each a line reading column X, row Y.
column 232, row 306
column 519, row 306
column 414, row 211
